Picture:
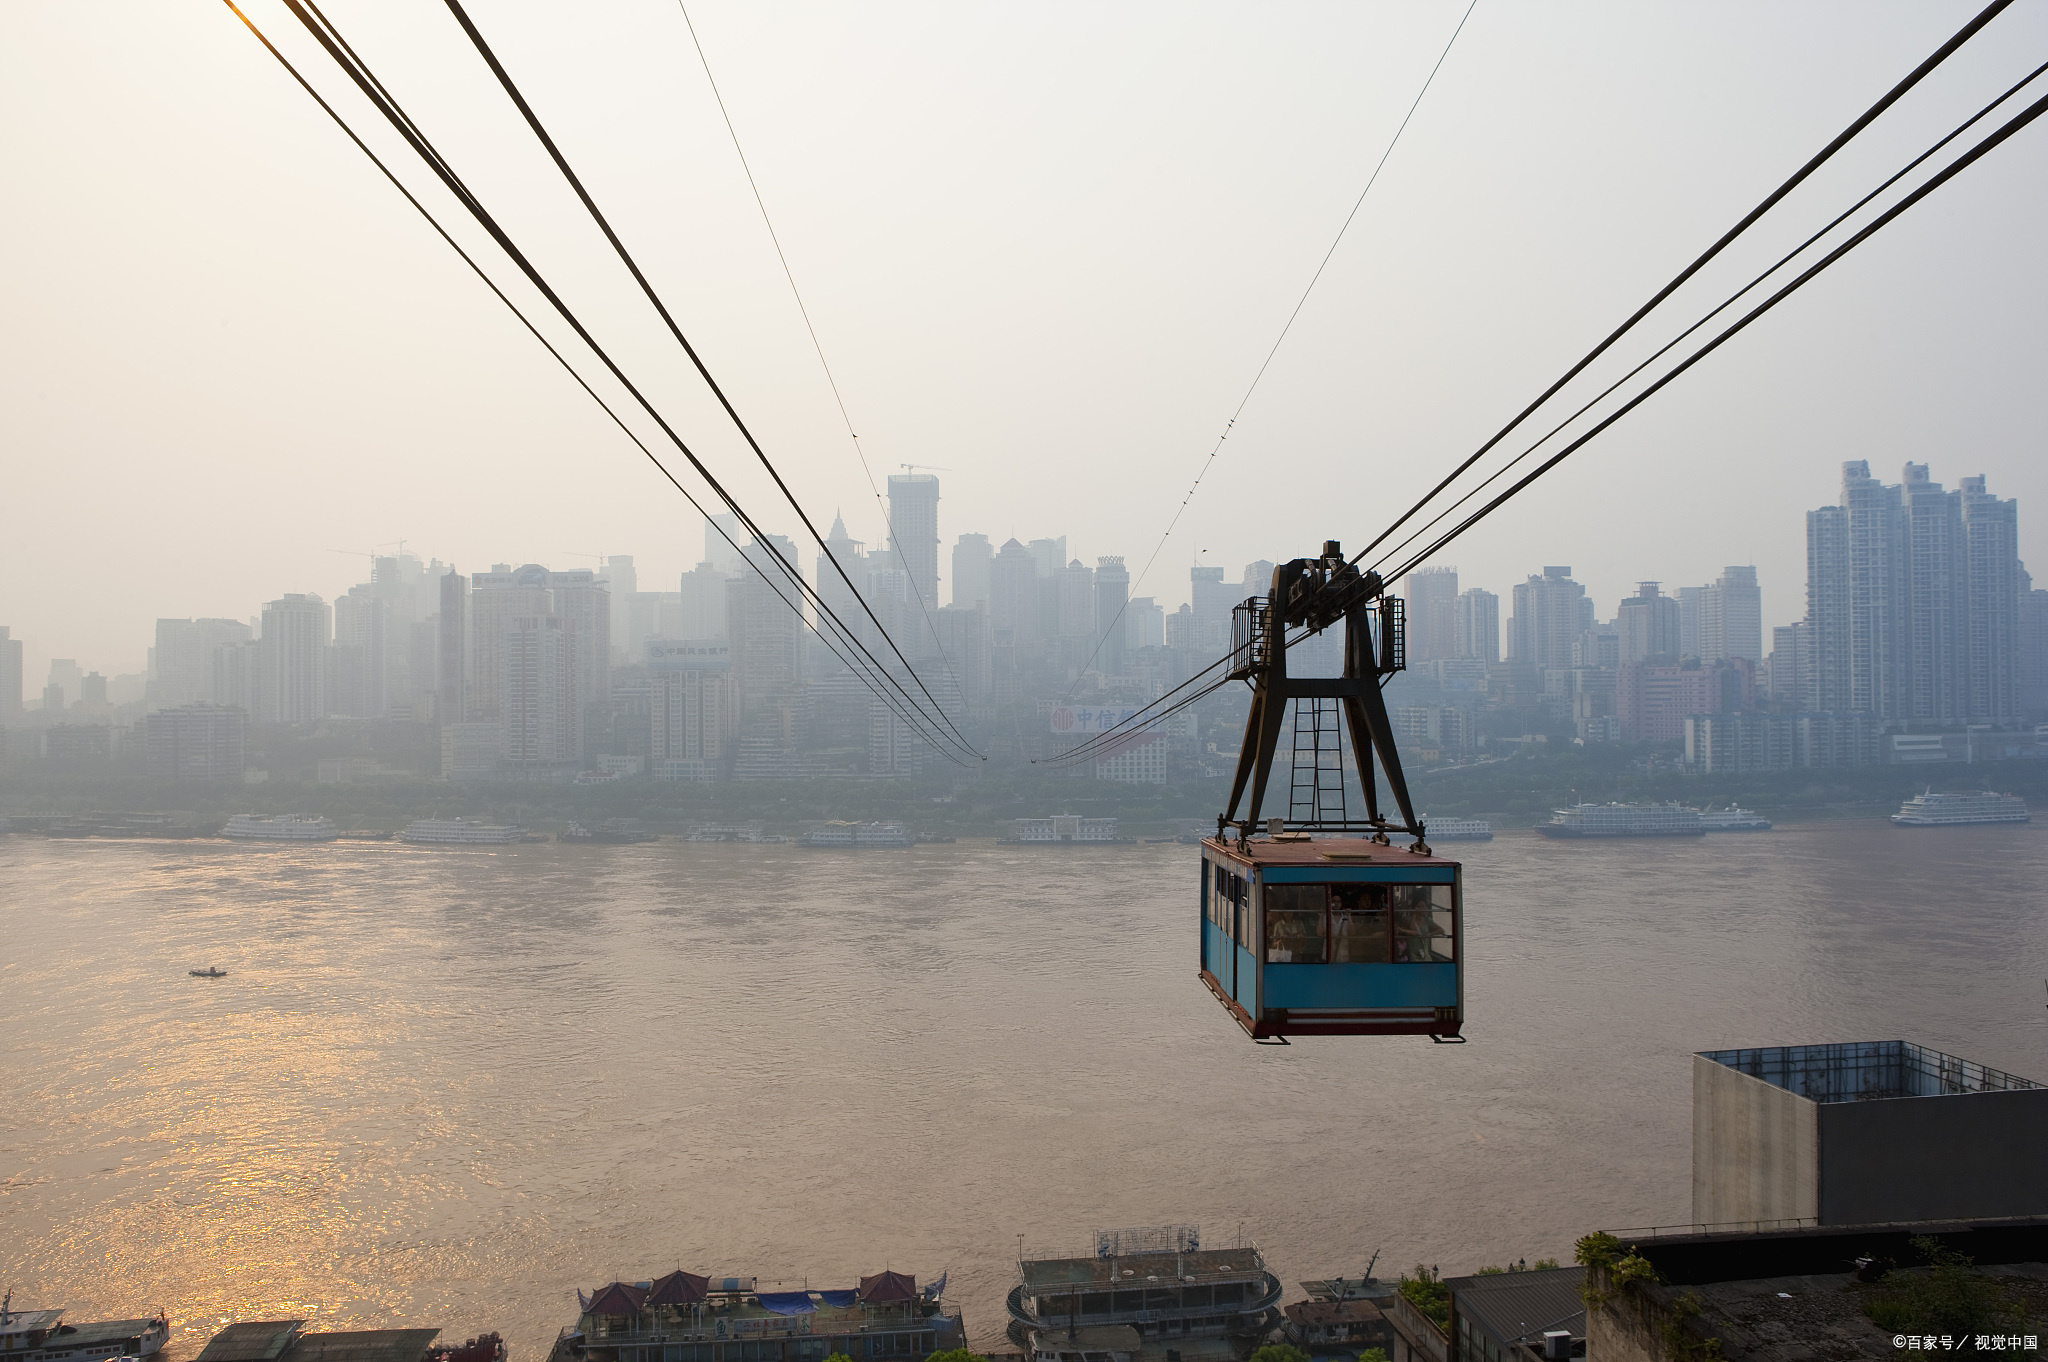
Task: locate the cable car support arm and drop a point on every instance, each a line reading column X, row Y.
column 1314, row 594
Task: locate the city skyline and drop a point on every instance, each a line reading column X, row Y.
column 232, row 348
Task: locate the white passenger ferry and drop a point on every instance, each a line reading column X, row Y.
column 1623, row 820
column 1930, row 809
column 1732, row 819
column 461, row 832
column 280, row 827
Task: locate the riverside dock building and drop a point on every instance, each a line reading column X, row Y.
column 683, row 1317
column 1148, row 1295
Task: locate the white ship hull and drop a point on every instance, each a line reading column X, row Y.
column 1931, row 810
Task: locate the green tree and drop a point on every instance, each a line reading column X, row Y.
column 1425, row 1290
column 1948, row 1298
column 1373, row 1355
column 1279, row 1352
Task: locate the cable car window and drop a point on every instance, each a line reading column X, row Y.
column 1358, row 924
column 1294, row 924
column 1422, row 923
column 1243, row 901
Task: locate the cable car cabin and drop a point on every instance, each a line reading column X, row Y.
column 1333, row 938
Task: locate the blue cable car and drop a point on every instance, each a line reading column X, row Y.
column 1346, row 935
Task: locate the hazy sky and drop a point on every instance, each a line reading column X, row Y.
column 1045, row 246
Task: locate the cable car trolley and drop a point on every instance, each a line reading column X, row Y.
column 1316, row 924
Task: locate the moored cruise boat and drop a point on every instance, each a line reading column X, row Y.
column 461, row 832
column 688, row 1318
column 280, row 827
column 1457, row 829
column 1948, row 808
column 1732, row 819
column 42, row 1336
column 1623, row 820
column 1141, row 1293
column 838, row 834
column 611, row 832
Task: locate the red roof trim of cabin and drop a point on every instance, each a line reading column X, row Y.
column 678, row 1288
column 885, row 1287
column 618, row 1299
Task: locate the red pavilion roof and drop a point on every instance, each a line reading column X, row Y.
column 884, row 1287
column 678, row 1288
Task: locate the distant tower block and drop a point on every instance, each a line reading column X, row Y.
column 914, row 521
column 1862, row 1134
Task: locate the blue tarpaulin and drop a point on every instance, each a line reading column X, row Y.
column 840, row 1300
column 786, row 1302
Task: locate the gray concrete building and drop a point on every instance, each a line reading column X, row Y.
column 10, row 677
column 1432, row 599
column 195, row 742
column 1550, row 612
column 1861, row 1134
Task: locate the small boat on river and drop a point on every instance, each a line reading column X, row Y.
column 210, row 972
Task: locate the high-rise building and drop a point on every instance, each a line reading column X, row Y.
column 724, row 538
column 2033, row 649
column 695, row 716
column 1992, row 592
column 620, row 579
column 1791, row 669
column 914, row 538
column 1551, row 611
column 703, row 605
column 10, row 677
column 540, row 709
column 972, row 557
column 1050, row 555
column 1212, row 600
column 1431, row 595
column 1478, row 625
column 357, row 670
column 964, row 640
column 842, row 572
column 195, row 742
column 1077, row 601
column 1013, row 596
column 452, row 647
column 65, row 674
column 297, row 628
column 1648, row 624
column 576, row 597
column 1691, row 607
column 1112, row 604
column 184, row 657
column 1145, row 624
column 767, row 637
column 1827, row 611
column 1731, row 618
column 1913, row 597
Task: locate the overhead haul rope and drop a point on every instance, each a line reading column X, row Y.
column 2017, row 122
column 1729, row 302
column 462, row 194
column 816, row 344
column 1799, row 176
column 511, row 89
column 330, row 38
column 1209, row 460
column 1140, row 720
